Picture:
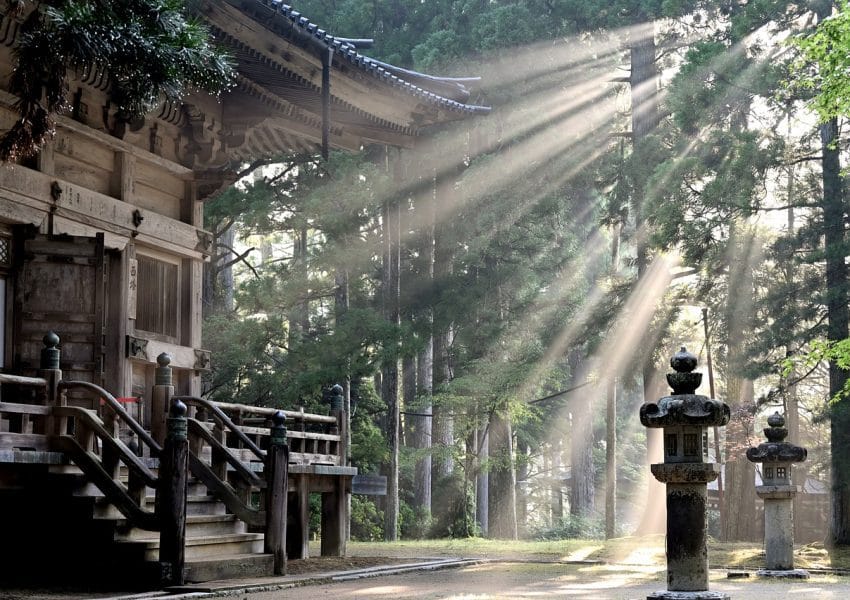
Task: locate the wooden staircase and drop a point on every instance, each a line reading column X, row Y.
column 217, row 544
column 117, row 512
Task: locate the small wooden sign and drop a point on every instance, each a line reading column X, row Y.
column 369, row 485
column 132, row 286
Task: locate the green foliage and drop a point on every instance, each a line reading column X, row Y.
column 366, row 520
column 453, row 507
column 151, row 49
column 822, row 351
column 571, row 527
column 825, row 64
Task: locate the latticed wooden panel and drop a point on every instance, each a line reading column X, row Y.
column 5, row 251
column 158, row 297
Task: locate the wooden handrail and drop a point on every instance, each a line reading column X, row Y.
column 93, row 467
column 224, row 420
column 195, row 428
column 21, row 380
column 264, row 411
column 225, row 493
column 116, row 407
column 113, row 491
column 97, row 427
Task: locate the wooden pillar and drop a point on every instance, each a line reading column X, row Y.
column 277, row 474
column 161, row 397
column 333, row 519
column 298, row 531
column 172, row 486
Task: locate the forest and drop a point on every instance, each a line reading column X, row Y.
column 498, row 301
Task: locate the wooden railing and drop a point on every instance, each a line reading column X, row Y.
column 27, row 423
column 312, row 439
column 238, row 452
column 94, row 445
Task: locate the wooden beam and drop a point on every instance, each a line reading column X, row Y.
column 182, row 357
column 31, row 191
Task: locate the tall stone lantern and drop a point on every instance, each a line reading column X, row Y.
column 685, row 417
column 776, row 456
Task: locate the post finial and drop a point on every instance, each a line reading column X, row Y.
column 337, row 400
column 50, row 354
column 278, row 429
column 162, row 374
column 177, row 423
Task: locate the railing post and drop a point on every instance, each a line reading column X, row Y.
column 335, row 503
column 171, row 501
column 337, row 411
column 50, row 371
column 162, row 392
column 277, row 490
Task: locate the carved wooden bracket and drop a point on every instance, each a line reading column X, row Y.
column 137, row 348
column 205, row 241
column 202, row 360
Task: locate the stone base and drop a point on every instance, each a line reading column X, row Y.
column 783, row 573
column 704, row 595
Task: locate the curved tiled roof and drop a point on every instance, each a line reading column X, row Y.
column 389, row 74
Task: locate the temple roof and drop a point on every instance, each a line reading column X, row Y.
column 281, row 101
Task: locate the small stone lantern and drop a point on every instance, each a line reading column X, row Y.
column 685, row 417
column 776, row 456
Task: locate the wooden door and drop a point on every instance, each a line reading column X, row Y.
column 60, row 286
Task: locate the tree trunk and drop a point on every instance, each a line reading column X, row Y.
column 739, row 508
column 645, row 118
column 503, row 519
column 389, row 378
column 443, row 421
column 521, row 488
column 739, row 493
column 582, row 470
column 422, row 431
column 299, row 315
column 341, row 306
column 834, row 218
column 482, row 482
column 422, row 426
column 611, row 418
column 611, row 459
column 408, row 393
column 556, row 488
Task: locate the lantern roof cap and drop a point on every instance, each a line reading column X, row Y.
column 776, row 449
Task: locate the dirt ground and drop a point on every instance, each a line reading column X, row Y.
column 508, row 581
column 616, row 570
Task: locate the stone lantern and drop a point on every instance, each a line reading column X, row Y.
column 776, row 456
column 685, row 417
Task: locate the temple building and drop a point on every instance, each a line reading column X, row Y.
column 101, row 235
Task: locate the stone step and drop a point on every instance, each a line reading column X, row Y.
column 235, row 566
column 90, row 490
column 195, row 505
column 196, row 526
column 206, row 546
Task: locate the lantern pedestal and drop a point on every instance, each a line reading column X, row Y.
column 687, row 550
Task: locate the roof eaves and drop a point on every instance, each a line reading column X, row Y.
column 382, row 71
